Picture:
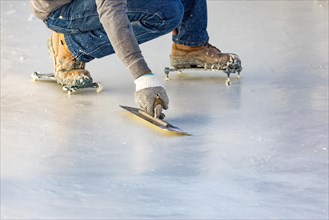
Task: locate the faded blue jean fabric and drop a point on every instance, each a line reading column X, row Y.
column 87, row 39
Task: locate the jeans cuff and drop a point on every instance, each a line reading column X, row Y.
column 190, row 44
column 69, row 46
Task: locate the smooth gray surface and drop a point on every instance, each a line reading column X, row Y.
column 259, row 148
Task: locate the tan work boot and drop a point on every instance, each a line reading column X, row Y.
column 68, row 70
column 207, row 57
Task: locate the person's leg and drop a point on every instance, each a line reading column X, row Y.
column 86, row 38
column 68, row 71
column 193, row 29
column 191, row 48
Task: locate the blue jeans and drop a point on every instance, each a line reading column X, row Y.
column 87, row 39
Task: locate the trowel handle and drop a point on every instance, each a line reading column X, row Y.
column 158, row 107
column 157, row 111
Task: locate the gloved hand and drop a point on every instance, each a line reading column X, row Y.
column 149, row 92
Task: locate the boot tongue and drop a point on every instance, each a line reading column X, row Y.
column 209, row 46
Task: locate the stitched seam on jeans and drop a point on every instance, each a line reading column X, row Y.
column 157, row 25
column 72, row 17
column 83, row 16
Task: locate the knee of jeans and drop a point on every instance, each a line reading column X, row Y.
column 173, row 15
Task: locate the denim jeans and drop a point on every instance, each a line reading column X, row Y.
column 87, row 39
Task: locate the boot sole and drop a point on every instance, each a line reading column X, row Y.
column 183, row 63
column 187, row 63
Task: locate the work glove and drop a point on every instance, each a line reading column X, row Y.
column 150, row 95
